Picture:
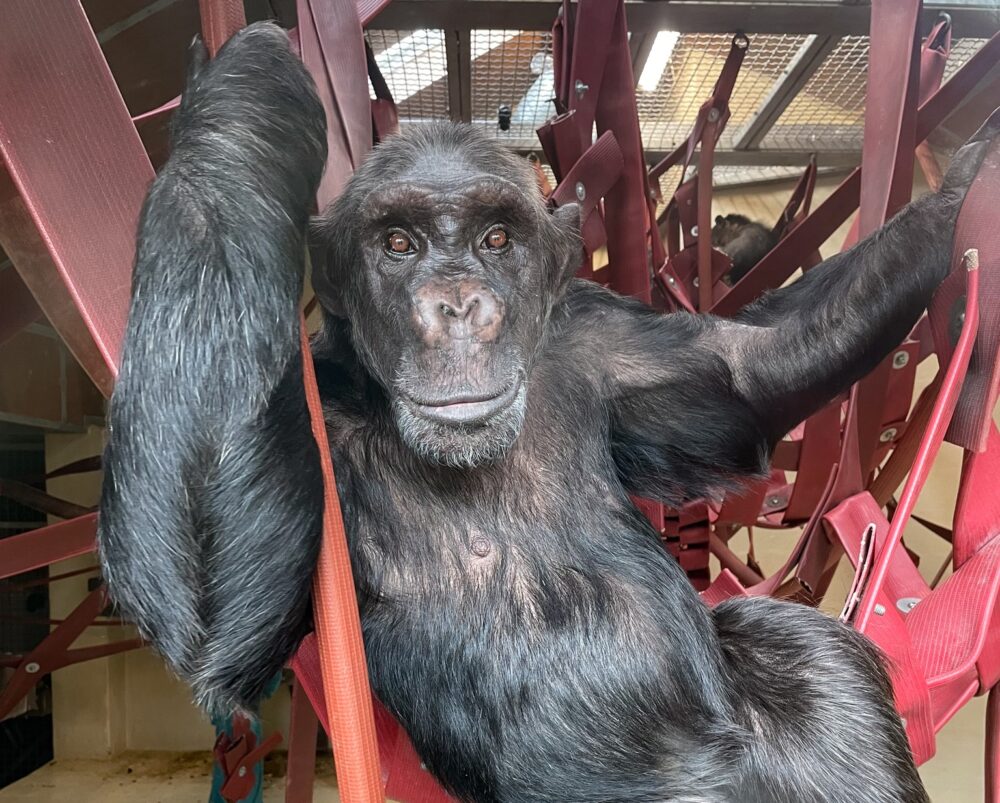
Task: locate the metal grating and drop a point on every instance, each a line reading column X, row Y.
column 667, row 113
column 416, row 69
column 961, row 51
column 738, row 176
column 512, row 68
column 828, row 113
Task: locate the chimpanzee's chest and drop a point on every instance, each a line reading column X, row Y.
column 486, row 593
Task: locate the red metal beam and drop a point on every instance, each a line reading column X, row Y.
column 80, row 173
column 47, row 545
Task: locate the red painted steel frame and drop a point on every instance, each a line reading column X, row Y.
column 929, row 445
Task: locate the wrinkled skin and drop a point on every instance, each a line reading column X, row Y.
column 489, row 418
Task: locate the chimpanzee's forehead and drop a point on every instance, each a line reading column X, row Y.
column 456, row 194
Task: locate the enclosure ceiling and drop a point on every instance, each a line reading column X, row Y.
column 796, row 93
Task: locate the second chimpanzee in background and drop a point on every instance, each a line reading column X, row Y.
column 489, row 417
column 744, row 241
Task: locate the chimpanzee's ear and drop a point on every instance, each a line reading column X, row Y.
column 719, row 220
column 565, row 246
column 325, row 277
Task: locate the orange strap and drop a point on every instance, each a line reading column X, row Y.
column 335, row 608
column 338, row 629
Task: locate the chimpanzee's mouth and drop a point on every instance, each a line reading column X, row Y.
column 465, row 409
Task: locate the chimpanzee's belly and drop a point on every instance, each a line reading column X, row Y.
column 513, row 658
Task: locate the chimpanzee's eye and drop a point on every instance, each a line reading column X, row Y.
column 398, row 243
column 496, row 239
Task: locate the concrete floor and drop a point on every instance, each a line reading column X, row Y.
column 954, row 775
column 145, row 777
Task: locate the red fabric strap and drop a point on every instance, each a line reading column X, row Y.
column 338, row 629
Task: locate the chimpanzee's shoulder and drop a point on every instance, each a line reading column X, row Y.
column 586, row 306
column 589, row 312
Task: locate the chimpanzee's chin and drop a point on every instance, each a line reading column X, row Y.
column 457, row 443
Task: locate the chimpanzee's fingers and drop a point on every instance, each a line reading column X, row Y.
column 968, row 159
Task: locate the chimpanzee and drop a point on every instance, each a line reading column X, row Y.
column 744, row 241
column 489, row 417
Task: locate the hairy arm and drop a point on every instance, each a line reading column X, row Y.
column 212, row 498
column 698, row 401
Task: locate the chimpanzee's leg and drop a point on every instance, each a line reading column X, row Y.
column 815, row 697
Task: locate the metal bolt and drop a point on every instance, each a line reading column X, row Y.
column 581, row 88
column 774, row 501
column 694, row 231
column 671, row 281
column 32, row 668
column 907, row 604
column 695, row 281
column 888, row 434
column 880, row 609
column 713, row 115
column 242, row 772
column 581, row 191
column 900, row 359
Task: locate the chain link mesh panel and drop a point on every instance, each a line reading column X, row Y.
column 513, row 69
column 416, row 69
column 827, row 113
column 667, row 113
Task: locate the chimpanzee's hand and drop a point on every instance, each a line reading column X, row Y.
column 968, row 159
column 255, row 108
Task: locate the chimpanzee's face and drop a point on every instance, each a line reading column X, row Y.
column 452, row 271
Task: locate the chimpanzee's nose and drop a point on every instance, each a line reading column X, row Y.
column 462, row 310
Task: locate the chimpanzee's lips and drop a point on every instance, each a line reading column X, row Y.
column 466, row 408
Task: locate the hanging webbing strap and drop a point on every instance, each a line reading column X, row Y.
column 933, row 58
column 694, row 268
column 338, row 630
column 799, row 202
column 385, row 116
column 332, row 48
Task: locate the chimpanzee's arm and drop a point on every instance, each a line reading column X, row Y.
column 212, row 496
column 697, row 401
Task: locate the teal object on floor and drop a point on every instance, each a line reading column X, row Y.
column 226, row 726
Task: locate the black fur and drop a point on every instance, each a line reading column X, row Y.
column 210, row 502
column 744, row 241
column 520, row 616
